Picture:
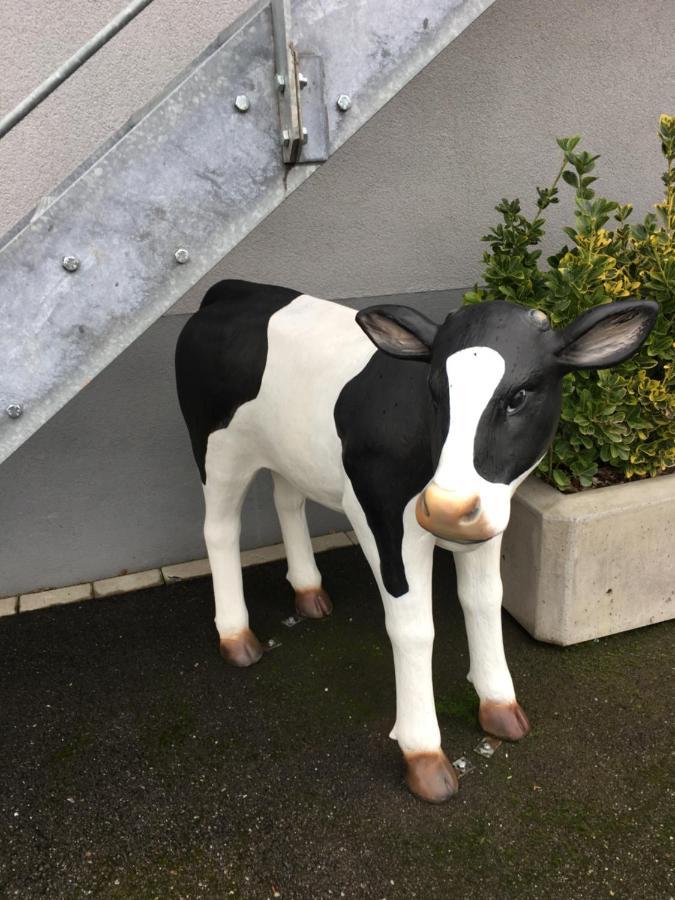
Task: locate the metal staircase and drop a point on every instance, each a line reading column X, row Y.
column 156, row 207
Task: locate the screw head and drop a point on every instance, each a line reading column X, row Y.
column 181, row 256
column 70, row 263
column 343, row 102
column 14, row 410
column 302, row 81
column 242, row 103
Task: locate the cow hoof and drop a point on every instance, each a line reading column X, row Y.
column 503, row 720
column 313, row 603
column 430, row 776
column 243, row 649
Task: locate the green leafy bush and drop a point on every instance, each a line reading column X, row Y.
column 616, row 424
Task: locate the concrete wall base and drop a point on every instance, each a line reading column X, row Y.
column 583, row 566
column 137, row 581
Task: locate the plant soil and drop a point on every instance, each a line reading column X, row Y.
column 605, row 477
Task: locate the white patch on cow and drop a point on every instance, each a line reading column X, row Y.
column 303, row 573
column 479, row 586
column 229, row 469
column 314, row 349
column 410, row 626
column 288, row 428
column 473, row 376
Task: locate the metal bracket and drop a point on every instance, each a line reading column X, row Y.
column 287, row 82
column 463, row 766
column 299, row 81
column 487, row 746
column 314, row 124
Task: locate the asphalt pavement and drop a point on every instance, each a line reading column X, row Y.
column 135, row 764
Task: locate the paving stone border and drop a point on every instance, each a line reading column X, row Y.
column 135, row 581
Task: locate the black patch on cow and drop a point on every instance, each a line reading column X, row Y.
column 512, row 433
column 383, row 418
column 221, row 355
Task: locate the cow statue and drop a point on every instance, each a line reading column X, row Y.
column 419, row 432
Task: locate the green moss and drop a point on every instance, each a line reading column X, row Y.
column 459, row 704
column 178, row 723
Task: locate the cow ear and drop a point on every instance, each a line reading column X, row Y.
column 607, row 334
column 398, row 330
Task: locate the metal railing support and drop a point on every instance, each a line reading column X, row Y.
column 66, row 69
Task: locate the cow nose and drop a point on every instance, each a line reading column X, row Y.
column 452, row 515
column 471, row 514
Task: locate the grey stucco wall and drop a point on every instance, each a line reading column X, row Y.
column 403, row 205
column 38, row 35
column 109, row 484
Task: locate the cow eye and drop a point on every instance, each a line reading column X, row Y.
column 516, row 401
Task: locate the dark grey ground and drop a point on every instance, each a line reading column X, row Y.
column 135, row 764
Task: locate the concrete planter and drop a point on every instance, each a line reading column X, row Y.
column 581, row 566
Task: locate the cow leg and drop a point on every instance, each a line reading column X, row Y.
column 311, row 600
column 410, row 626
column 224, row 494
column 479, row 586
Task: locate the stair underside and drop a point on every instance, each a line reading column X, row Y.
column 189, row 171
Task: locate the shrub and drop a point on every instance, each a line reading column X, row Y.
column 616, row 424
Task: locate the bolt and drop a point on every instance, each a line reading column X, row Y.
column 181, row 256
column 14, row 410
column 281, row 82
column 302, row 81
column 344, row 102
column 241, row 103
column 70, row 263
column 540, row 319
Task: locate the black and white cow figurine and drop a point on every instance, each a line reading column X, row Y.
column 420, row 433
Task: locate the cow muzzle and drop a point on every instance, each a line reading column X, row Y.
column 453, row 516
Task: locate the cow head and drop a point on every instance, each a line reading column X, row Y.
column 495, row 374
